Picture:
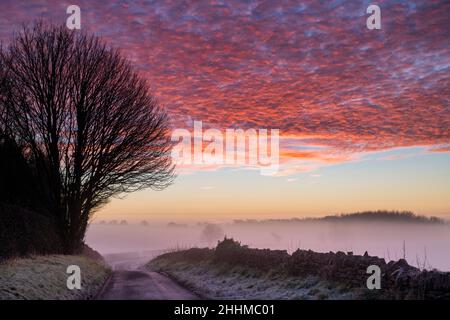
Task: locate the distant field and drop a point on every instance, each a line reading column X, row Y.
column 44, row 278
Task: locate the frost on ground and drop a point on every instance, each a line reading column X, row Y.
column 213, row 281
column 45, row 277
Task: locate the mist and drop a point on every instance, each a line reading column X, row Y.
column 423, row 245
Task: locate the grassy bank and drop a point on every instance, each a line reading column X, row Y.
column 45, row 277
column 212, row 281
column 234, row 271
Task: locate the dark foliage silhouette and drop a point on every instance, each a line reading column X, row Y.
column 24, row 232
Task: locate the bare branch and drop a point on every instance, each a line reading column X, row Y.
column 85, row 118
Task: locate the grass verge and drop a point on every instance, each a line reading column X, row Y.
column 213, row 281
column 45, row 278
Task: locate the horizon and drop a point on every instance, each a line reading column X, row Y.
column 193, row 222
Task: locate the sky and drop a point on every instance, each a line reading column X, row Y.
column 363, row 115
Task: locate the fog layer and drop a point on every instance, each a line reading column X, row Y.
column 423, row 245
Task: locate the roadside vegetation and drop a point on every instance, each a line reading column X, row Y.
column 221, row 273
column 220, row 282
column 234, row 271
column 44, row 278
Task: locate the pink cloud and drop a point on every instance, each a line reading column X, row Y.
column 311, row 70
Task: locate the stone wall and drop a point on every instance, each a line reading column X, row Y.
column 399, row 280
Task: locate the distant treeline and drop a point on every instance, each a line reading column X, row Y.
column 365, row 216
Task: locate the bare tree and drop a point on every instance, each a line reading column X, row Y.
column 86, row 120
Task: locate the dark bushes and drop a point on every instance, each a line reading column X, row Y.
column 230, row 251
column 24, row 232
column 346, row 268
column 19, row 183
column 26, row 226
column 190, row 255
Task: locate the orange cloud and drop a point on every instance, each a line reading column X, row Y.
column 311, row 70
